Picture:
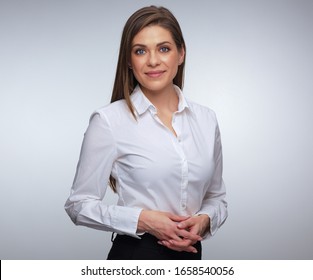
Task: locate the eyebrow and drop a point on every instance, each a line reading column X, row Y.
column 159, row 44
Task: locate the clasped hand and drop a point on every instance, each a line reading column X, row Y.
column 176, row 232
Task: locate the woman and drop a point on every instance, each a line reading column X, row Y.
column 160, row 152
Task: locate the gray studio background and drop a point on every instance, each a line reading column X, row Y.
column 250, row 61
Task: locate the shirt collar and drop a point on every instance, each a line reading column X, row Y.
column 141, row 103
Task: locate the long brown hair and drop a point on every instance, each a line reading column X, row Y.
column 125, row 81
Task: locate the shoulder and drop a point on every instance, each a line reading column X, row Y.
column 201, row 112
column 114, row 114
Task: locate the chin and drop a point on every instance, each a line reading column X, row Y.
column 155, row 86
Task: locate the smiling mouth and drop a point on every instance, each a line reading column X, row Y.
column 155, row 74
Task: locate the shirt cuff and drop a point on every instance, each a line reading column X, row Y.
column 126, row 220
column 213, row 227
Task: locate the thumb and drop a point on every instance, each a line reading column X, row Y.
column 184, row 224
column 177, row 218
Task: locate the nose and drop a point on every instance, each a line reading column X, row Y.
column 153, row 59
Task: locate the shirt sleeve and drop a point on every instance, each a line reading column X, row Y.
column 214, row 203
column 85, row 204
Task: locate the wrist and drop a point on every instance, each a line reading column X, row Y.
column 205, row 222
column 142, row 225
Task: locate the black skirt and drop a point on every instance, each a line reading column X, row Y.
column 147, row 248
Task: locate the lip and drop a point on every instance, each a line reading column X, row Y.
column 155, row 73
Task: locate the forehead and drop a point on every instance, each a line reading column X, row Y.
column 152, row 35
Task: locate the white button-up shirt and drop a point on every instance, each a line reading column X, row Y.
column 153, row 168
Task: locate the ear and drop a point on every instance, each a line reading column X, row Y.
column 181, row 55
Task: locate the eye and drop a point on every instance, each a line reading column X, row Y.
column 140, row 51
column 164, row 49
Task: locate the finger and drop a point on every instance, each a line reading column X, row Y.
column 183, row 225
column 188, row 235
column 176, row 218
column 180, row 246
column 186, row 224
column 184, row 243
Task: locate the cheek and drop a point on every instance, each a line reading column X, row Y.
column 173, row 62
column 136, row 70
column 137, row 66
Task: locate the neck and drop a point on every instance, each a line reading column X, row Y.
column 165, row 100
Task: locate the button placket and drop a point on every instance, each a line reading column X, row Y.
column 178, row 143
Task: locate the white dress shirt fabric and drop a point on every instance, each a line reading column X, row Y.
column 154, row 169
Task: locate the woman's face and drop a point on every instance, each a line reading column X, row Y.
column 155, row 59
